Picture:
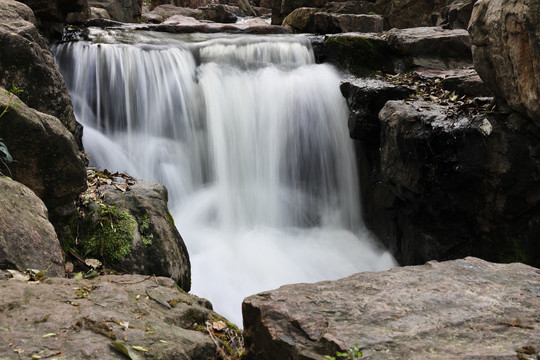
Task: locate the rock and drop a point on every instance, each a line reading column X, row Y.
column 301, row 20
column 99, row 13
column 410, row 13
column 151, row 18
column 27, row 238
column 359, row 54
column 52, row 15
column 27, row 63
column 215, row 13
column 266, row 4
column 458, row 309
column 350, row 7
column 444, row 183
column 46, row 157
column 327, row 23
column 183, row 24
column 282, row 8
column 365, row 98
column 83, row 317
column 127, row 11
column 461, row 81
column 456, row 15
column 506, row 52
column 431, row 47
column 146, row 240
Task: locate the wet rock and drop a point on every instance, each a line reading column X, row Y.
column 467, row 308
column 27, row 63
column 445, row 183
column 431, row 47
column 83, row 318
column 365, row 98
column 127, row 11
column 45, row 154
column 506, row 52
column 350, row 7
column 215, row 13
column 27, row 238
column 153, row 243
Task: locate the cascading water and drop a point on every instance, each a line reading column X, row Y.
column 250, row 138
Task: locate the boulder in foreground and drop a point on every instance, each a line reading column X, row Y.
column 460, row 309
column 80, row 319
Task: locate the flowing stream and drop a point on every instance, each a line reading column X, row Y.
column 250, row 137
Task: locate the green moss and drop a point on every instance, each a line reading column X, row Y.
column 171, row 219
column 357, row 54
column 144, row 229
column 109, row 238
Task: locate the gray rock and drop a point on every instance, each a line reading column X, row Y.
column 365, row 98
column 506, row 52
column 46, row 157
column 459, row 309
column 27, row 63
column 461, row 81
column 431, row 47
column 27, row 238
column 127, row 11
column 54, row 14
column 410, row 13
column 456, row 15
column 99, row 13
column 156, row 246
column 330, row 23
column 282, row 8
column 301, row 20
column 86, row 316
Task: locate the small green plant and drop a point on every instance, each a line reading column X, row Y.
column 110, row 236
column 144, row 229
column 352, row 353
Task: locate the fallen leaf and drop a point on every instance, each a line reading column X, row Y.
column 49, row 335
column 125, row 349
column 219, row 325
column 140, row 348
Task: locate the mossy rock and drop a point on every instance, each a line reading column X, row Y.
column 358, row 54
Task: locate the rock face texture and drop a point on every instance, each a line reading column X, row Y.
column 282, row 8
column 410, row 13
column 506, row 52
column 438, row 183
column 27, row 63
column 460, row 309
column 83, row 318
column 164, row 253
column 120, row 10
column 59, row 11
column 46, row 157
column 27, row 238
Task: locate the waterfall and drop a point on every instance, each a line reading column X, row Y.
column 250, row 137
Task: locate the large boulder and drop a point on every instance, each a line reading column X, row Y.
column 128, row 11
column 464, row 309
column 27, row 63
column 45, row 153
column 506, row 51
column 147, row 317
column 456, row 15
column 27, row 238
column 146, row 240
column 443, row 180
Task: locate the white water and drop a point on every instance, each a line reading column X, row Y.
column 250, row 138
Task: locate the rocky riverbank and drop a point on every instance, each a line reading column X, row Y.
column 449, row 168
